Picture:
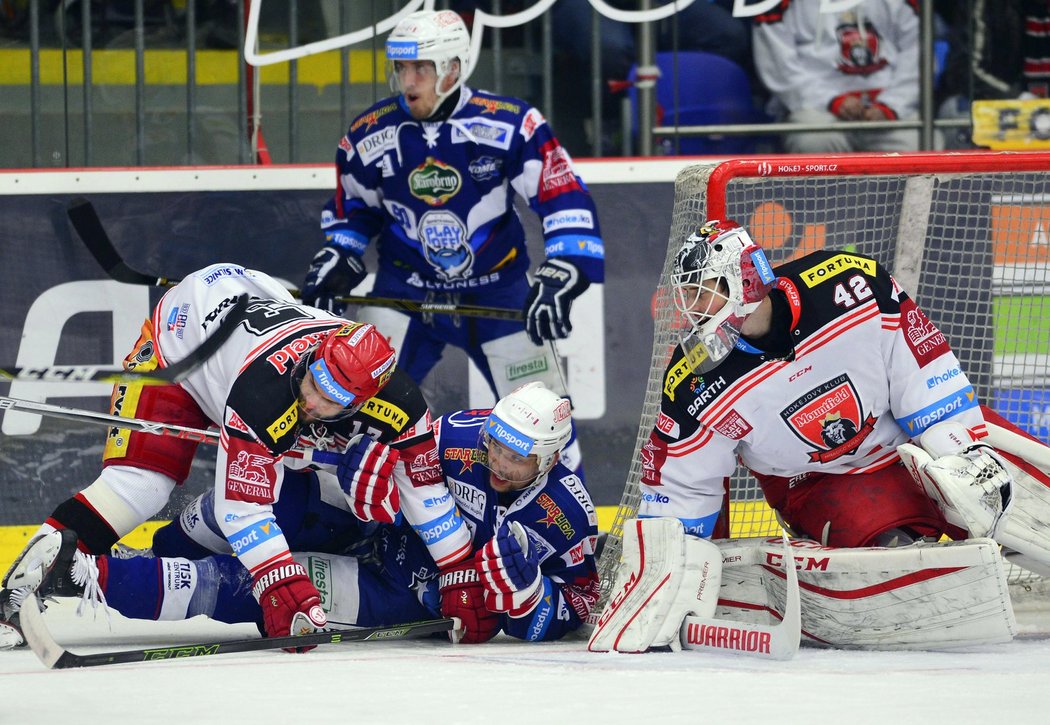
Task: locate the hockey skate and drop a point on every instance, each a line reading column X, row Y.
column 10, row 629
column 71, row 573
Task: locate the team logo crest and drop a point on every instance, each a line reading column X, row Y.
column 859, row 51
column 444, row 241
column 434, row 182
column 830, row 418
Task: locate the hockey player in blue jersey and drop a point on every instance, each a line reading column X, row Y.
column 530, row 573
column 432, row 174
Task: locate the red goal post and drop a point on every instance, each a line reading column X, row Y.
column 967, row 234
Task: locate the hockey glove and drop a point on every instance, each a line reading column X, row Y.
column 289, row 601
column 510, row 571
column 333, row 272
column 557, row 283
column 365, row 477
column 463, row 596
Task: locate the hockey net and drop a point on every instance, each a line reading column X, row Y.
column 965, row 234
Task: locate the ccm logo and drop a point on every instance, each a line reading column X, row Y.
column 800, row 373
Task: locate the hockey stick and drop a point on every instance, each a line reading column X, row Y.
column 331, row 458
column 775, row 642
column 56, row 657
column 173, row 373
column 90, row 230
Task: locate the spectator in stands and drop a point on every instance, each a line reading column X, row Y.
column 1003, row 53
column 861, row 64
column 706, row 25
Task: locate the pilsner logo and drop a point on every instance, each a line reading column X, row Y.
column 434, row 182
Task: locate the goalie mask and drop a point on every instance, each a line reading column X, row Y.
column 348, row 367
column 719, row 277
column 438, row 36
column 524, row 434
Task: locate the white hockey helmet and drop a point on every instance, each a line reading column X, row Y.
column 531, row 424
column 721, row 251
column 440, row 36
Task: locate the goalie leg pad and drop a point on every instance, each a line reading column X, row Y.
column 664, row 576
column 925, row 596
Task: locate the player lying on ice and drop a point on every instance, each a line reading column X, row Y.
column 832, row 387
column 531, row 571
column 290, row 379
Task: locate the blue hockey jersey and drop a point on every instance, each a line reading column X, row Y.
column 440, row 195
column 556, row 512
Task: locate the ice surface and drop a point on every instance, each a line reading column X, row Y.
column 505, row 682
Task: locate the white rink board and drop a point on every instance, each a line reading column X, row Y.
column 512, row 682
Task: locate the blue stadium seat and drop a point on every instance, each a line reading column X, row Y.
column 711, row 90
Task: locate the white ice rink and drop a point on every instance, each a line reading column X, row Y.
column 432, row 683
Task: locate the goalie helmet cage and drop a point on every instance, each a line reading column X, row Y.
column 966, row 234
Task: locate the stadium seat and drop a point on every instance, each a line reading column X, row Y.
column 711, row 90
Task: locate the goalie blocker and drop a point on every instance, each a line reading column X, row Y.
column 679, row 591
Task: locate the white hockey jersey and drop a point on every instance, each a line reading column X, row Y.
column 807, row 58
column 868, row 371
column 247, row 389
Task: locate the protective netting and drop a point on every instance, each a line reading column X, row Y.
column 966, row 237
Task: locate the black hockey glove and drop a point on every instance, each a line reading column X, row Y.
column 557, row 283
column 333, row 273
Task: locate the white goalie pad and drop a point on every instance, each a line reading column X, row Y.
column 664, row 575
column 926, row 596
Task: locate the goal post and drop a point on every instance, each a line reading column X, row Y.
column 966, row 234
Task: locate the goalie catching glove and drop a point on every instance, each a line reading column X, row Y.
column 967, row 480
column 289, row 601
column 365, row 475
column 333, row 272
column 510, row 571
column 558, row 282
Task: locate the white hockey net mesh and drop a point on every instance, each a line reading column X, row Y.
column 967, row 236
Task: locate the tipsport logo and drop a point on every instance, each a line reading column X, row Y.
column 503, row 433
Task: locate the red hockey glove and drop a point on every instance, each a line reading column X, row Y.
column 510, row 571
column 289, row 601
column 364, row 476
column 463, row 596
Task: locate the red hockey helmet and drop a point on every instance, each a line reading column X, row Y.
column 353, row 364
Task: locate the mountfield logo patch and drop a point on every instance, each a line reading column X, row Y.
column 829, row 418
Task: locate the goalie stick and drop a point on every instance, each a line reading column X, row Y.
column 173, row 373
column 90, row 230
column 777, row 642
column 331, row 458
column 56, row 657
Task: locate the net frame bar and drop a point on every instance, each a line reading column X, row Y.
column 713, row 181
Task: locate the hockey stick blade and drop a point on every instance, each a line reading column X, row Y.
column 173, row 373
column 775, row 642
column 56, row 657
column 89, row 228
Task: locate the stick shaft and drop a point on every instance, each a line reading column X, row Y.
column 55, row 656
column 90, row 230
